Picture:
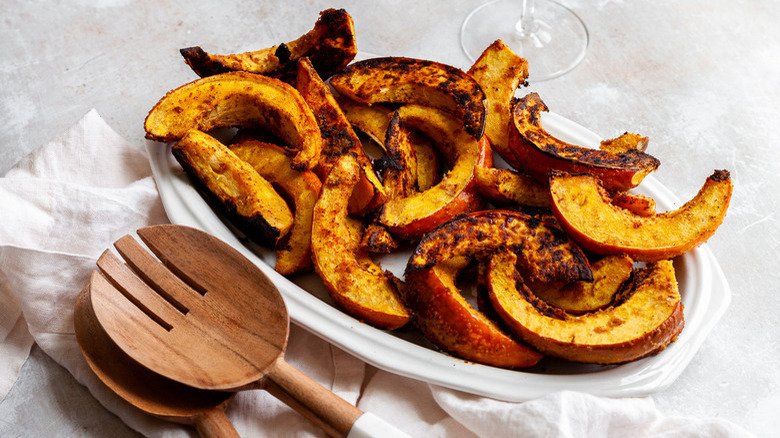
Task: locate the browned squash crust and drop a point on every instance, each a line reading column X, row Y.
column 378, row 239
column 645, row 321
column 585, row 212
column 408, row 80
column 538, row 152
column 546, row 254
column 330, row 45
column 293, row 253
column 238, row 99
column 354, row 281
column 398, row 166
column 234, row 187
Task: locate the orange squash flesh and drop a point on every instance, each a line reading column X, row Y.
column 456, row 193
column 353, row 280
column 638, row 204
column 238, row 99
column 648, row 319
column 584, row 211
column 338, row 139
column 234, row 187
column 293, row 254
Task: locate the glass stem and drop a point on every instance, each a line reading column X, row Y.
column 527, row 25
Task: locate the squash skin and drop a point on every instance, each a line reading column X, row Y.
column 584, row 210
column 538, row 152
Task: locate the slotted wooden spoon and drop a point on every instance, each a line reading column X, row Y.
column 148, row 391
column 205, row 316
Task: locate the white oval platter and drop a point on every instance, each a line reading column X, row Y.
column 705, row 295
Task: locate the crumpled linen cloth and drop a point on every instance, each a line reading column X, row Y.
column 72, row 198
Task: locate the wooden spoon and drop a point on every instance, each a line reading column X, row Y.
column 206, row 316
column 148, row 391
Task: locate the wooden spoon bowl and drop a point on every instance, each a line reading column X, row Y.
column 148, row 391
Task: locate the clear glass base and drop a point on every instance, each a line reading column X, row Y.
column 553, row 42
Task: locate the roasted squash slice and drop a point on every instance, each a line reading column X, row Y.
column 441, row 312
column 538, row 152
column 378, row 239
column 338, row 139
column 546, row 254
column 500, row 71
column 506, row 187
column 446, row 319
column 330, row 45
column 293, row 253
column 374, row 120
column 584, row 211
column 645, row 321
column 353, row 280
column 234, row 187
column 238, row 99
column 456, row 193
column 407, row 80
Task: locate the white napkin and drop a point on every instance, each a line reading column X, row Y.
column 68, row 201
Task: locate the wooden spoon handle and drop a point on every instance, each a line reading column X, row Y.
column 213, row 423
column 322, row 407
